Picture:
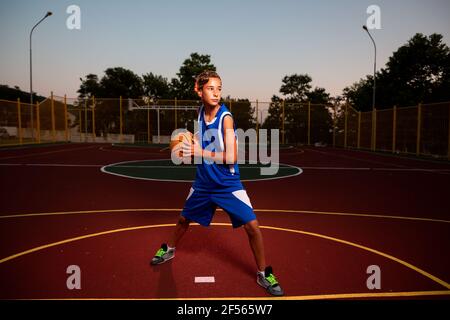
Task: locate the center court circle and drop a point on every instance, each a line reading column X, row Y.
column 166, row 170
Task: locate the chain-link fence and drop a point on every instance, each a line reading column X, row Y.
column 419, row 130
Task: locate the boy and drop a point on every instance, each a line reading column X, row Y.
column 217, row 182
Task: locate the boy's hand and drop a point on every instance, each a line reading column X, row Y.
column 192, row 148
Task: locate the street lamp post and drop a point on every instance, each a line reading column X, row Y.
column 374, row 67
column 31, row 74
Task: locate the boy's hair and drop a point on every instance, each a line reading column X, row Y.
column 204, row 77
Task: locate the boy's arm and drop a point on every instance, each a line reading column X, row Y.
column 229, row 156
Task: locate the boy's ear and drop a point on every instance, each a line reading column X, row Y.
column 199, row 92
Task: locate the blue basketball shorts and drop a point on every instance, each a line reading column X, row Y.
column 200, row 207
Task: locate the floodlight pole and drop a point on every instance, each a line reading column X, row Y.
column 31, row 74
column 374, row 67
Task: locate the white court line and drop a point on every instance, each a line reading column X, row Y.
column 50, row 165
column 146, row 152
column 125, row 166
column 354, row 158
column 377, row 169
column 122, row 164
column 204, row 280
column 241, row 166
column 46, row 152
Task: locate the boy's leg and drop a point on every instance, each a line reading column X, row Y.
column 256, row 243
column 198, row 208
column 167, row 251
column 265, row 276
column 180, row 230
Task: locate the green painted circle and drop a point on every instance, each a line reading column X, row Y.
column 165, row 170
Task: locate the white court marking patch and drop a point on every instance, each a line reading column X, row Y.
column 204, row 280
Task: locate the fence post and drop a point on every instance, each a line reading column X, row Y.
column 121, row 121
column 85, row 119
column 257, row 126
column 394, row 129
column 79, row 118
column 448, row 148
column 38, row 122
column 334, row 126
column 19, row 121
column 175, row 113
column 65, row 119
column 358, row 144
column 282, row 123
column 419, row 126
column 53, row 118
column 148, row 126
column 309, row 123
column 93, row 118
column 345, row 125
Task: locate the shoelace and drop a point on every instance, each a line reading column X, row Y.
column 160, row 252
column 272, row 280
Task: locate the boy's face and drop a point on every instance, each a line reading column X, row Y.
column 211, row 92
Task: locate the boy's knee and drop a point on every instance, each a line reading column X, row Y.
column 252, row 227
column 183, row 221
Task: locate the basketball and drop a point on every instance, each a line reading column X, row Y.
column 176, row 144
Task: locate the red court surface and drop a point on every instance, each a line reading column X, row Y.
column 322, row 229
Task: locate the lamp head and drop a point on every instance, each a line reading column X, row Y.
column 49, row 13
column 365, row 28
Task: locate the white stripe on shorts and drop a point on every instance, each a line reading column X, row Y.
column 242, row 195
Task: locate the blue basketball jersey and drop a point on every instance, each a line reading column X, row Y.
column 211, row 176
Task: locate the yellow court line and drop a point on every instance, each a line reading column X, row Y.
column 256, row 210
column 334, row 296
column 303, row 297
column 352, row 214
column 54, row 244
column 404, row 263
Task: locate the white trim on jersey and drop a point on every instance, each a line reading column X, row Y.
column 220, row 129
column 191, row 191
column 210, row 123
column 199, row 114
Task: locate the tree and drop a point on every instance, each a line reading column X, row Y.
column 89, row 87
column 296, row 86
column 121, row 82
column 155, row 86
column 273, row 119
column 360, row 93
column 318, row 96
column 7, row 93
column 116, row 82
column 297, row 91
column 418, row 72
column 183, row 86
column 243, row 113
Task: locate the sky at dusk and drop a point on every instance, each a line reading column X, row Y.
column 253, row 43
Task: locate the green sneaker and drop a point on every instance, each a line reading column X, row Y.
column 269, row 282
column 163, row 255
